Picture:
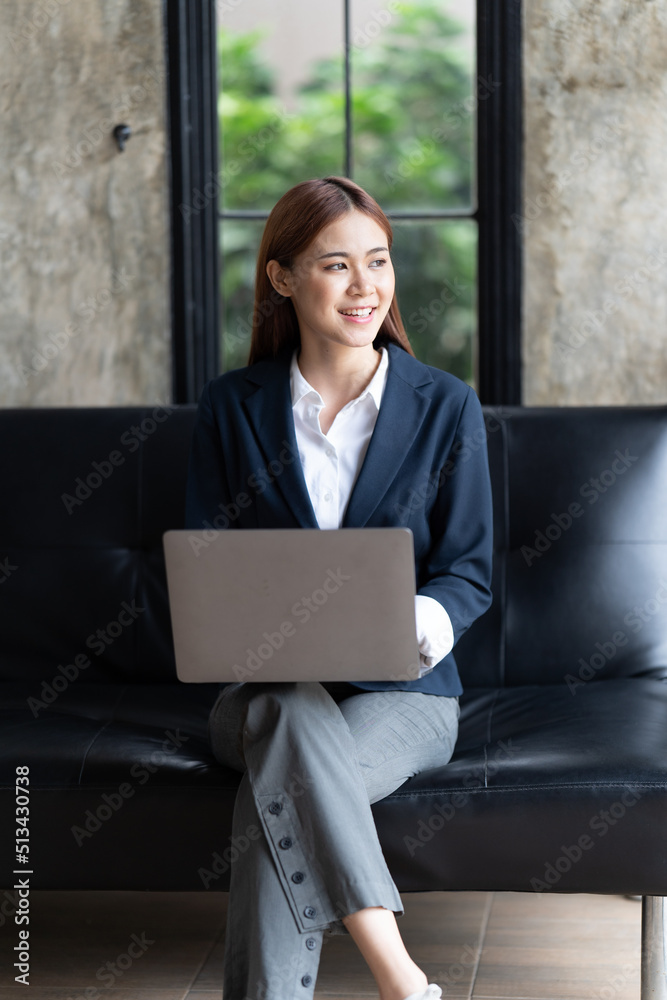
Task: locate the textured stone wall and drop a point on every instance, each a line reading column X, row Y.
column 84, row 250
column 595, row 208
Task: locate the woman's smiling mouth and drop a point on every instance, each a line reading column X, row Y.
column 358, row 315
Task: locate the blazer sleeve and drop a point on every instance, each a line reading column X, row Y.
column 458, row 567
column 208, row 500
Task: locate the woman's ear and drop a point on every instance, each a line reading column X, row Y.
column 279, row 278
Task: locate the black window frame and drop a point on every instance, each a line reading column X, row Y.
column 192, row 102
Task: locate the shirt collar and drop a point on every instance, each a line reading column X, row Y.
column 300, row 387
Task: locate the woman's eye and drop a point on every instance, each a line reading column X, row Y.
column 380, row 262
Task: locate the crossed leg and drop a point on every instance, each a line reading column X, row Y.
column 311, row 770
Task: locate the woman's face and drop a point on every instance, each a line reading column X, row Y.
column 342, row 285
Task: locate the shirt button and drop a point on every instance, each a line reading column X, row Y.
column 328, row 497
column 306, row 980
column 298, row 877
column 310, row 912
column 275, row 808
column 311, row 943
column 285, row 843
column 331, row 454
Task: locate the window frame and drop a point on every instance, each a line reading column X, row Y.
column 192, row 99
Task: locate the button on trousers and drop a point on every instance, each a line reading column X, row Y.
column 314, row 757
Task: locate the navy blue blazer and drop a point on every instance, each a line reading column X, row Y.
column 425, row 469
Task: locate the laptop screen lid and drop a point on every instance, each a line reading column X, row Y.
column 301, row 604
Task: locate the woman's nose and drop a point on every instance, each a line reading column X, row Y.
column 361, row 283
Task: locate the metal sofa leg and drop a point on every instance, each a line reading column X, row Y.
column 654, row 948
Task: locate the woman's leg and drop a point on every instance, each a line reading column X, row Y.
column 314, row 855
column 308, row 792
column 396, row 736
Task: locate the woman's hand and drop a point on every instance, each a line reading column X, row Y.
column 435, row 635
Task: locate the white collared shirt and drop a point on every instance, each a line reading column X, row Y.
column 331, row 463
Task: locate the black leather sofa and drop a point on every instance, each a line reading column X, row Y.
column 559, row 779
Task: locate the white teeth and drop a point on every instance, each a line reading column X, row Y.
column 358, row 312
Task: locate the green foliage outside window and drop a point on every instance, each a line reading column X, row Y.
column 413, row 124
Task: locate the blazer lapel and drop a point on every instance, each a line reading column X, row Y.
column 402, row 413
column 269, row 411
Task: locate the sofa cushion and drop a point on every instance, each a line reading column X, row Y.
column 539, row 773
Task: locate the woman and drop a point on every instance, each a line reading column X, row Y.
column 334, row 423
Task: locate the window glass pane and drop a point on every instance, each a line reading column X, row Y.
column 281, row 104
column 436, row 279
column 281, row 110
column 239, row 244
column 413, row 72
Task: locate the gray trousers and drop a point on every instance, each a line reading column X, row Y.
column 314, row 757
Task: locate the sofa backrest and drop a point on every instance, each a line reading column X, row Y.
column 87, row 494
column 580, row 569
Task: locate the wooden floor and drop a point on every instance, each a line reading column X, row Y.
column 476, row 945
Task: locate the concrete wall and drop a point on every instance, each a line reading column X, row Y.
column 595, row 210
column 84, row 251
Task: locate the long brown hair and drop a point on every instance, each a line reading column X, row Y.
column 295, row 221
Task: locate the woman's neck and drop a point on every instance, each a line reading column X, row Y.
column 338, row 376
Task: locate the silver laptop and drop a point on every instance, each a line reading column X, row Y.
column 300, row 604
